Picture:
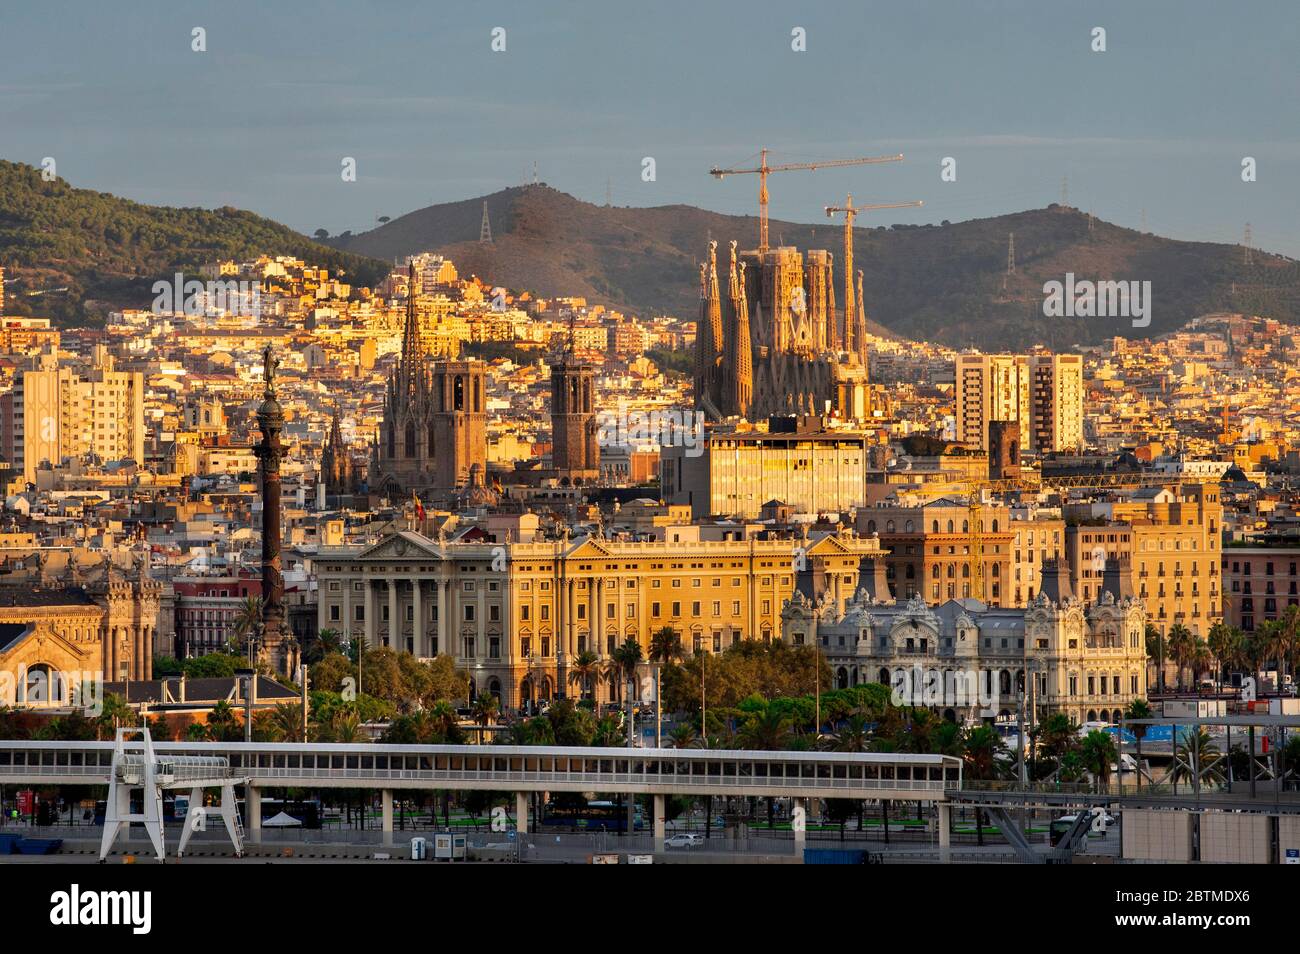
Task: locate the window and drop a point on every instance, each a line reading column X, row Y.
column 335, row 613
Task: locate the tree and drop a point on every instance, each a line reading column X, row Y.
column 586, row 672
column 768, row 732
column 852, row 736
column 321, row 234
column 247, row 618
column 981, row 757
column 1182, row 646
column 666, row 645
column 1198, row 750
column 485, row 710
column 1098, row 752
column 1224, row 643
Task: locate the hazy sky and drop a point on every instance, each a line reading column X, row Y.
column 414, row 92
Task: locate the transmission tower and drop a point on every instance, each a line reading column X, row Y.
column 485, row 229
column 1246, row 242
column 1011, row 259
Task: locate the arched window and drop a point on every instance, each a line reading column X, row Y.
column 934, row 528
column 908, row 527
column 871, row 526
column 950, row 526
column 995, row 524
column 889, row 526
column 410, row 440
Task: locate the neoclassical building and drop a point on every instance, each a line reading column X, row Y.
column 515, row 615
column 970, row 661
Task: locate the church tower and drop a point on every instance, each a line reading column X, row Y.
column 575, row 450
column 406, row 437
column 457, row 423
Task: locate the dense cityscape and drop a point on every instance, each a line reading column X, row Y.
column 311, row 553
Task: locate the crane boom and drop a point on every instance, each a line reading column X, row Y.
column 763, row 169
column 855, row 332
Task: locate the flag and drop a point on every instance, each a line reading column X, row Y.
column 419, row 507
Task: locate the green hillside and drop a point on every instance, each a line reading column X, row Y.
column 108, row 251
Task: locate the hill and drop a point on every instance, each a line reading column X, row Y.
column 943, row 283
column 107, row 251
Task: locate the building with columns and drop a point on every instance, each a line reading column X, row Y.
column 515, row 615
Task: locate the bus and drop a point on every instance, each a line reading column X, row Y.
column 594, row 816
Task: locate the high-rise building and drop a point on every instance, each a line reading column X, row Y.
column 1056, row 382
column 55, row 414
column 1042, row 393
column 991, row 387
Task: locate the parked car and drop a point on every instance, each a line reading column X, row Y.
column 684, row 839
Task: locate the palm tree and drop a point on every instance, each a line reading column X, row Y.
column 1098, row 751
column 767, row 732
column 485, row 711
column 621, row 668
column 853, row 735
column 247, row 618
column 684, row 737
column 981, row 756
column 666, row 645
column 1156, row 646
column 1205, row 754
column 1181, row 643
column 1200, row 659
column 1137, row 709
column 1290, row 640
column 1224, row 643
column 286, row 723
column 586, row 672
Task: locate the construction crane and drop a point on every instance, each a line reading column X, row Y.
column 852, row 336
column 763, row 169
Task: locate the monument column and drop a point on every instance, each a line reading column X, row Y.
column 270, row 418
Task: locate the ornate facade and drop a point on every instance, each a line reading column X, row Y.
column 435, row 418
column 73, row 612
column 971, row 661
column 775, row 351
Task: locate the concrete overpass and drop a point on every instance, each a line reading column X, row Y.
column 658, row 773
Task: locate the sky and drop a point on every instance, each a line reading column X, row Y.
column 1153, row 129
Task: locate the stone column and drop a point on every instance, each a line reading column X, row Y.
column 443, row 612
column 372, row 631
column 394, row 622
column 945, row 832
column 386, row 813
column 417, row 616
column 661, row 815
column 521, row 814
column 345, row 628
column 253, row 808
column 799, row 824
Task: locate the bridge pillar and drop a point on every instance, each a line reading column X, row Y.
column 661, row 816
column 253, row 806
column 945, row 832
column 386, row 813
column 799, row 825
column 521, row 814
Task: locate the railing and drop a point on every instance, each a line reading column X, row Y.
column 521, row 768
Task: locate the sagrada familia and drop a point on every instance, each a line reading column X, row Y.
column 777, row 347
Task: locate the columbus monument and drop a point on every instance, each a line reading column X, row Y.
column 277, row 647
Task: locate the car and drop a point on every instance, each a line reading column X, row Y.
column 684, row 839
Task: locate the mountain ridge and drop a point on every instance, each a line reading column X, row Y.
column 943, row 283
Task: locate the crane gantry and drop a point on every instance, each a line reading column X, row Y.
column 853, row 334
column 763, row 169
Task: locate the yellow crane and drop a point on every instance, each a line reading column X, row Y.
column 852, row 336
column 763, row 169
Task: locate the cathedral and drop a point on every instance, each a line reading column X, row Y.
column 433, row 438
column 777, row 348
